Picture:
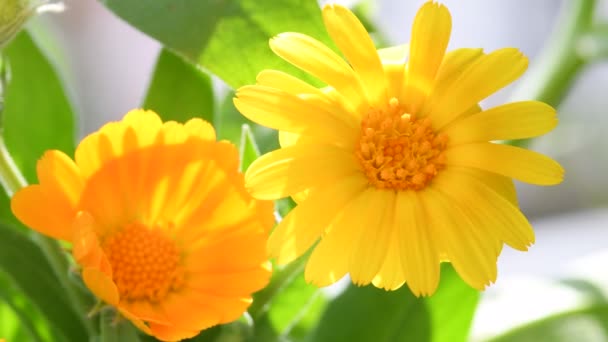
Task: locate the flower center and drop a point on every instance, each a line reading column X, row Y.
column 398, row 151
column 145, row 263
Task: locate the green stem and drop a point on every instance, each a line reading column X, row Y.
column 562, row 58
column 282, row 279
column 512, row 335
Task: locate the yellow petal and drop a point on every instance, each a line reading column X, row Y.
column 371, row 248
column 308, row 115
column 454, row 64
column 281, row 80
column 390, row 276
column 101, row 285
column 306, row 222
column 355, row 43
column 510, row 121
column 200, row 128
column 394, row 60
column 321, row 62
column 521, row 164
column 430, row 36
column 329, row 261
column 417, row 238
column 504, row 186
column 48, row 213
column 482, row 78
column 487, row 208
column 290, row 170
column 469, row 249
column 57, row 172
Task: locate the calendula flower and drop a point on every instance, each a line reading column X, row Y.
column 392, row 164
column 159, row 221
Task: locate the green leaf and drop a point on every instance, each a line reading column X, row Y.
column 249, row 149
column 24, row 262
column 297, row 308
column 37, row 115
column 452, row 307
column 368, row 314
column 179, row 91
column 229, row 38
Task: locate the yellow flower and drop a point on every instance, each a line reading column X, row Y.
column 392, row 164
column 159, row 220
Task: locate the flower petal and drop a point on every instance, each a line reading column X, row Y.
column 430, row 36
column 471, row 251
column 321, row 62
column 355, row 43
column 329, row 261
column 526, row 166
column 486, row 207
column 101, row 285
column 44, row 212
column 370, row 248
column 417, row 238
column 390, row 276
column 516, row 120
column 308, row 115
column 482, row 78
column 290, row 170
column 306, row 222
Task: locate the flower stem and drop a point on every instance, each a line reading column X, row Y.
column 12, row 180
column 562, row 58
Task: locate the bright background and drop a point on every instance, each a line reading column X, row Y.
column 106, row 65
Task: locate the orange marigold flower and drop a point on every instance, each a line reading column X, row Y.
column 392, row 164
column 159, row 221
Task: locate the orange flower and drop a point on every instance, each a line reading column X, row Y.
column 159, row 220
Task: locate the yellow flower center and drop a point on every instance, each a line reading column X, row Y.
column 145, row 263
column 398, row 151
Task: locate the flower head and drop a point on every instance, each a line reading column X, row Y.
column 392, row 164
column 159, row 221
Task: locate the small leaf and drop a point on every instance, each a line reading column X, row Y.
column 25, row 263
column 249, row 149
column 179, row 91
column 229, row 38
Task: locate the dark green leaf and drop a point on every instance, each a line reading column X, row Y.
column 230, row 38
column 452, row 307
column 369, row 314
column 179, row 91
column 249, row 149
column 29, row 324
column 24, row 262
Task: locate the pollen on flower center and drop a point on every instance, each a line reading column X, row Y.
column 145, row 263
column 398, row 151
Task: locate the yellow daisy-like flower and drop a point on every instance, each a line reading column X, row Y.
column 159, row 221
column 392, row 164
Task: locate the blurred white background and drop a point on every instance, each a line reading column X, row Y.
column 107, row 65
